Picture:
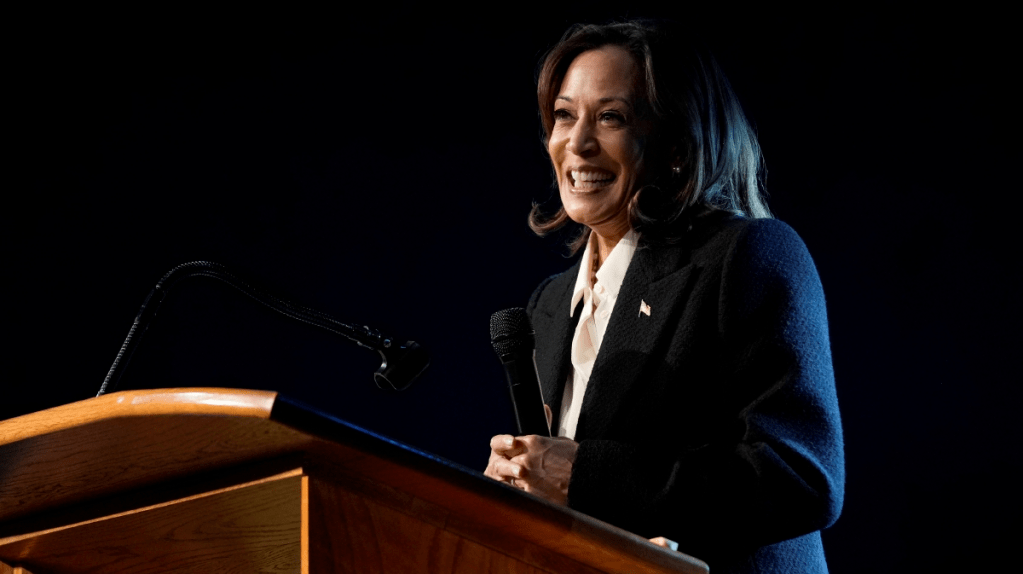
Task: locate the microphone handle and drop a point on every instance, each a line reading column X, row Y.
column 526, row 396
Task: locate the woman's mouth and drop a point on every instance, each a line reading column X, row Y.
column 590, row 180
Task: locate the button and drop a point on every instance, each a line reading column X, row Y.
column 599, row 288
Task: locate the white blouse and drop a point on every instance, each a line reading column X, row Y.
column 598, row 302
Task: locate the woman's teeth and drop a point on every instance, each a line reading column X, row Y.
column 590, row 179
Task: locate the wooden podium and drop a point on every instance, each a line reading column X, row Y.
column 221, row 480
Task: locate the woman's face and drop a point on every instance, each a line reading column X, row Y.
column 597, row 141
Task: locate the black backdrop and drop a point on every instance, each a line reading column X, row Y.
column 379, row 165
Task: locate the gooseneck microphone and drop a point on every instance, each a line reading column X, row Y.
column 512, row 336
column 400, row 364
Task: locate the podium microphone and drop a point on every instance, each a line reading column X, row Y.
column 399, row 366
column 512, row 337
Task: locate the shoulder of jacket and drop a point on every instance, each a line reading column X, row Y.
column 739, row 226
column 554, row 283
column 769, row 256
column 767, row 239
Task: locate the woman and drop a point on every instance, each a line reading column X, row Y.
column 685, row 359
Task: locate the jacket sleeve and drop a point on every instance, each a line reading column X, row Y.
column 775, row 469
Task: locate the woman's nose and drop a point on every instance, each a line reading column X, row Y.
column 581, row 141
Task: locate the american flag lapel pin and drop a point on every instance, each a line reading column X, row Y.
column 644, row 309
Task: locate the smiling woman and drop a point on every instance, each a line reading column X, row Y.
column 695, row 142
column 685, row 358
column 597, row 142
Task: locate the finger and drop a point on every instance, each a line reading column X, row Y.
column 491, row 471
column 530, row 442
column 524, row 460
column 497, row 467
column 550, row 415
column 662, row 541
column 502, row 442
column 506, row 470
column 506, row 445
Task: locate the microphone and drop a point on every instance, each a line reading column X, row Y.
column 512, row 337
column 399, row 364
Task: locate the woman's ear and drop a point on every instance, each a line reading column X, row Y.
column 677, row 162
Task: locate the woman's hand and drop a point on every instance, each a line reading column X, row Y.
column 536, row 464
column 520, row 462
column 662, row 541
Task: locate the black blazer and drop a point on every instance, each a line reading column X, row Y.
column 713, row 421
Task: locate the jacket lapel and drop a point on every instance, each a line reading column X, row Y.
column 554, row 329
column 657, row 279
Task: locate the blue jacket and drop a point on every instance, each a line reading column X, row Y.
column 713, row 421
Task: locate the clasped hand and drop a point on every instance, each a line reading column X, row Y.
column 536, row 464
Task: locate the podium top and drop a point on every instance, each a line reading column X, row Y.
column 122, row 442
column 125, row 440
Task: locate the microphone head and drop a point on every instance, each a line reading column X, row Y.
column 401, row 366
column 511, row 332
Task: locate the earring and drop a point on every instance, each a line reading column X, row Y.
column 676, row 169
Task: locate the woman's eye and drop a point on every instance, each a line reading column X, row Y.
column 561, row 114
column 612, row 117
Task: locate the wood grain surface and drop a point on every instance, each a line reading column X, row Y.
column 125, row 440
column 6, row 569
column 506, row 521
column 351, row 533
column 253, row 527
column 363, row 503
column 199, row 401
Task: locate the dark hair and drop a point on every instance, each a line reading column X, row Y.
column 702, row 156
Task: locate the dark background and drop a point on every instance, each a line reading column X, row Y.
column 378, row 166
